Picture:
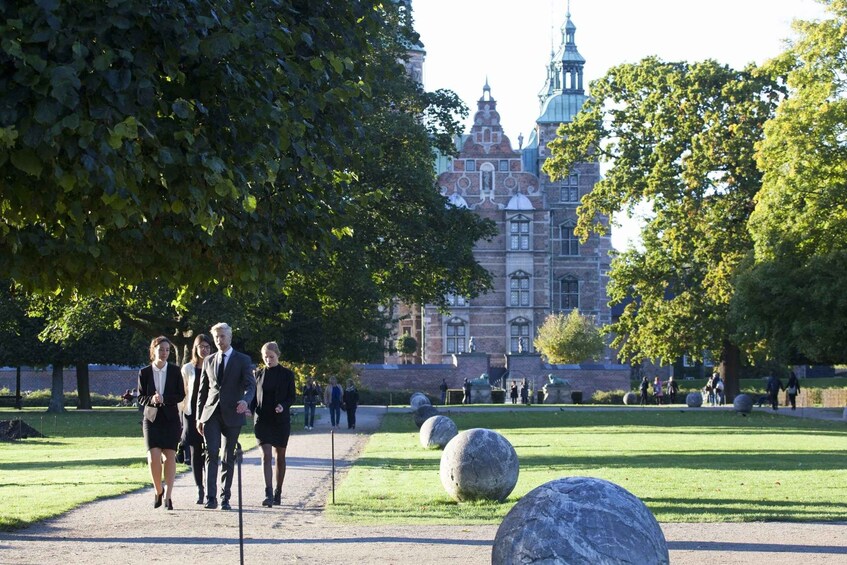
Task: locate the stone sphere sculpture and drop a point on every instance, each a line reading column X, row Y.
column 479, row 464
column 743, row 404
column 579, row 520
column 437, row 431
column 423, row 413
column 694, row 400
column 630, row 399
column 419, row 399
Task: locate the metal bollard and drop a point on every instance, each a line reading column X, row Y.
column 332, row 438
column 239, row 457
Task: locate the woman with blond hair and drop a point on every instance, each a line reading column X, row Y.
column 275, row 394
column 160, row 390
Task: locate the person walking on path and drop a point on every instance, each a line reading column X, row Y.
column 443, row 388
column 773, row 387
column 466, row 390
column 644, row 389
column 333, row 397
column 513, row 392
column 311, row 398
column 192, row 441
column 229, row 387
column 275, row 393
column 673, row 389
column 524, row 392
column 793, row 389
column 658, row 390
column 350, row 401
column 160, row 392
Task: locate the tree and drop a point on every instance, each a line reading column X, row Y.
column 570, row 338
column 406, row 345
column 218, row 129
column 679, row 137
column 792, row 298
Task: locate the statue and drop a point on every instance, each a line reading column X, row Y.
column 482, row 379
column 553, row 380
column 471, row 346
column 520, row 345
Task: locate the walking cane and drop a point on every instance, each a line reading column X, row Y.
column 332, row 438
column 239, row 457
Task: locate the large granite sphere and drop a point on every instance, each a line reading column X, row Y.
column 418, row 399
column 743, row 404
column 630, row 399
column 423, row 413
column 694, row 400
column 437, row 431
column 479, row 464
column 580, row 521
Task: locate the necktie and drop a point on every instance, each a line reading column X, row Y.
column 221, row 367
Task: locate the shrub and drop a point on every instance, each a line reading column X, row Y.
column 608, row 396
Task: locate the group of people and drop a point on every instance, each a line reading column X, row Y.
column 524, row 392
column 203, row 406
column 713, row 392
column 663, row 393
column 774, row 386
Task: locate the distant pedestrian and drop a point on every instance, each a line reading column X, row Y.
column 773, row 388
column 443, row 388
column 349, row 402
column 466, row 389
column 793, row 389
column 513, row 392
column 333, row 396
column 524, row 392
column 673, row 389
column 644, row 389
column 311, row 398
column 658, row 393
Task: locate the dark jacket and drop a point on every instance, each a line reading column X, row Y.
column 350, row 398
column 283, row 393
column 173, row 394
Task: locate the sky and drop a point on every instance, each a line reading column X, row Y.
column 509, row 42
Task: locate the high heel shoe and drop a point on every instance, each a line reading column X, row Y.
column 157, row 501
column 278, row 496
column 169, row 505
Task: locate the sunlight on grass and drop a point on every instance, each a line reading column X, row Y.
column 686, row 466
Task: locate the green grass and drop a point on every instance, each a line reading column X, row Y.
column 686, row 466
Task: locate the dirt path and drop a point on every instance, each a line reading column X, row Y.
column 127, row 529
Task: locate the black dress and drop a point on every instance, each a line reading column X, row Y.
column 274, row 386
column 161, row 423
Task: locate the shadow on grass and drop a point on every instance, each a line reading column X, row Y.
column 83, row 463
column 729, row 509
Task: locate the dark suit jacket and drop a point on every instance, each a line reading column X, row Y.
column 237, row 384
column 284, row 393
column 171, row 397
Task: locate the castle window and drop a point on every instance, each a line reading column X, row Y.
column 455, row 336
column 568, row 295
column 470, row 165
column 519, row 341
column 519, row 234
column 519, row 288
column 457, row 300
column 570, row 189
column 504, row 165
column 570, row 242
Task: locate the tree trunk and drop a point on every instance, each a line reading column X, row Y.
column 83, row 387
column 729, row 369
column 57, row 396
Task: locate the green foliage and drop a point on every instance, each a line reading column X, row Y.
column 608, row 396
column 570, row 338
column 406, row 344
column 678, row 137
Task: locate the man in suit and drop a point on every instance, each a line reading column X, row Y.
column 228, row 385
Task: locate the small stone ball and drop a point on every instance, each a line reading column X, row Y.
column 437, row 431
column 479, row 464
column 743, row 404
column 580, row 521
column 418, row 399
column 630, row 399
column 694, row 400
column 423, row 413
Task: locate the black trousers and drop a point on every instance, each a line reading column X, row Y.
column 218, row 436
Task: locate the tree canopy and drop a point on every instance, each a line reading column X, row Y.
column 679, row 137
column 571, row 338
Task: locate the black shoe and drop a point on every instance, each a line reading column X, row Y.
column 169, row 505
column 269, row 500
column 278, row 496
column 157, row 500
column 212, row 503
column 225, row 505
column 201, row 496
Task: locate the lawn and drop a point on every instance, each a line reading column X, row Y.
column 687, row 466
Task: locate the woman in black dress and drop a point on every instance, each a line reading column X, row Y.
column 275, row 394
column 160, row 390
column 192, row 441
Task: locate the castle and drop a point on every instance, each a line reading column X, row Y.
column 538, row 266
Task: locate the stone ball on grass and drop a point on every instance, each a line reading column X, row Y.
column 419, row 399
column 630, row 399
column 423, row 413
column 580, row 520
column 743, row 404
column 479, row 464
column 437, row 431
column 694, row 400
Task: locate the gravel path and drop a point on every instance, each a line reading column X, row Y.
column 126, row 529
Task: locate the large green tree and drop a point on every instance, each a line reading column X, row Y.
column 680, row 138
column 792, row 298
column 219, row 129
